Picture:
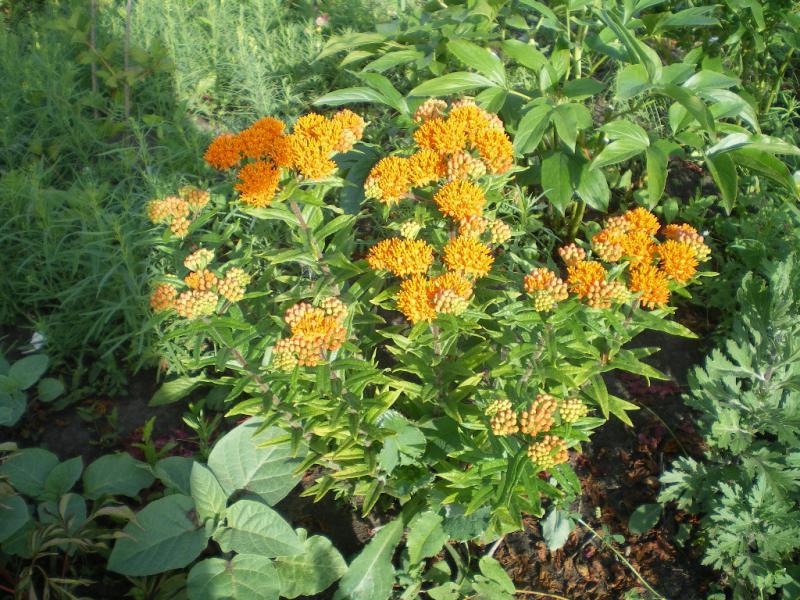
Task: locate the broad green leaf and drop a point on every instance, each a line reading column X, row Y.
column 241, row 460
column 494, row 571
column 617, row 152
column 706, row 79
column 568, row 119
column 632, row 80
column 311, row 572
column 70, row 508
column 532, row 127
column 370, row 576
column 63, row 477
column 556, row 180
column 767, row 165
column 115, row 475
column 393, row 59
column 644, row 518
column 556, row 528
column 252, row 527
column 380, row 83
column 174, row 472
column 353, row 95
column 209, row 497
column 694, row 105
column 48, row 389
column 525, row 54
column 27, row 371
column 626, row 130
column 244, row 577
column 462, row 527
column 593, row 187
column 551, row 20
column 480, row 59
column 492, row 99
column 765, row 143
column 27, row 470
column 696, row 16
column 14, row 514
column 723, row 171
column 161, row 538
column 657, row 161
column 349, row 42
column 12, row 407
column 425, row 536
column 452, row 83
column 579, row 89
column 174, row 390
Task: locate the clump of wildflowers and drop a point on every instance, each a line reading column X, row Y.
column 401, row 257
column 539, row 417
column 546, row 288
column 502, row 418
column 550, row 451
column 192, row 304
column 468, row 256
column 572, row 409
column 163, row 297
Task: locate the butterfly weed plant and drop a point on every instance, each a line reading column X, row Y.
column 424, row 350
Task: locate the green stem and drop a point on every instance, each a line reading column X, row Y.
column 577, row 217
column 624, row 560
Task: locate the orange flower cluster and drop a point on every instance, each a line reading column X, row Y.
column 463, row 144
column 546, row 450
column 204, row 288
column 315, row 330
column 546, row 288
column 421, row 299
column 650, row 264
column 401, row 257
column 307, row 150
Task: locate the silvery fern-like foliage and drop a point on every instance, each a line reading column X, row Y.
column 748, row 397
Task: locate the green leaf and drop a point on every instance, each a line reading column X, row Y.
column 593, row 187
column 116, row 475
column 694, row 105
column 617, row 152
column 12, row 407
column 556, row 528
column 381, row 84
column 657, row 161
column 626, row 130
column 492, row 99
column 579, row 89
column 353, row 95
column 14, row 514
column 49, row 389
column 463, row 527
column 62, row 478
column 174, row 390
column 532, row 127
column 425, row 536
column 452, row 83
column 244, row 577
column 311, row 572
column 619, row 408
column 566, row 125
column 393, row 59
column 209, row 497
column 174, row 472
column 644, row 518
column 723, row 171
column 551, row 20
column 765, row 143
column 252, row 527
column 494, row 571
column 525, row 54
column 632, row 80
column 27, row 470
column 239, row 463
column 371, row 575
column 706, row 79
column 696, row 16
column 27, row 371
column 349, row 41
column 161, row 538
column 767, row 165
column 556, row 180
column 480, row 59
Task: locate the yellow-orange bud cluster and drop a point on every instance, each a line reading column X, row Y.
column 549, row 452
column 192, row 304
column 572, row 409
column 546, row 288
column 233, row 285
column 502, row 418
column 163, row 297
column 499, row 232
column 198, row 260
column 315, row 330
column 571, row 254
column 539, row 416
column 472, row 227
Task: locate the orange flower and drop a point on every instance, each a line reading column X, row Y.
column 311, row 158
column 472, row 226
column 425, row 167
column 460, row 199
column 583, row 275
column 401, row 257
column 258, row 183
column 607, row 244
column 453, row 282
column 638, row 246
column 325, row 133
column 352, row 129
column 163, row 298
column 430, row 109
column 474, row 119
column 224, row 152
column 389, row 180
column 195, row 303
column 643, row 220
column 678, row 260
column 546, row 288
column 233, row 285
column 313, row 332
column 688, row 234
column 444, row 136
column 651, row 283
column 258, row 140
column 413, row 299
column 496, row 150
column 203, row 280
column 468, row 256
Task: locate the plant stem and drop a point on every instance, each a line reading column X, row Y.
column 126, row 57
column 623, row 559
column 577, row 217
column 312, row 242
